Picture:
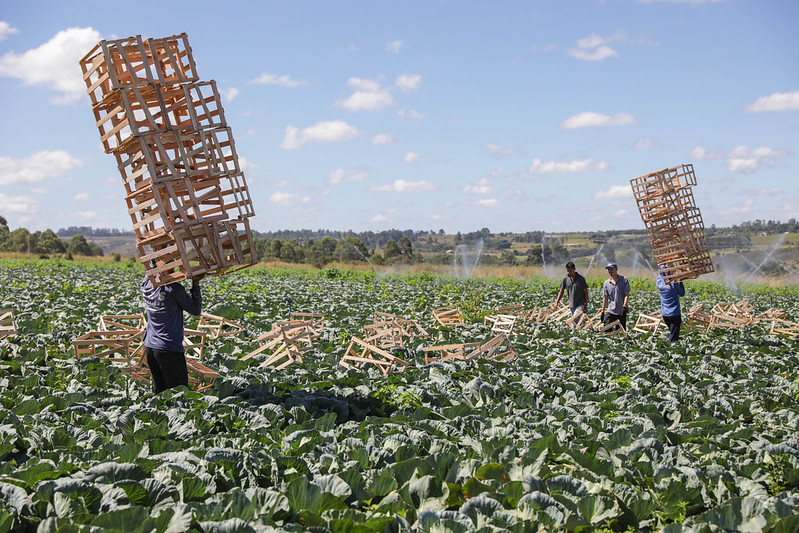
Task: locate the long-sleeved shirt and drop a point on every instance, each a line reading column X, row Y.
column 670, row 296
column 164, row 307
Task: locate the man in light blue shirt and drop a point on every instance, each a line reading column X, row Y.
column 670, row 293
column 615, row 296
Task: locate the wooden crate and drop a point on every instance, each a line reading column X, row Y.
column 410, row 328
column 122, row 322
column 445, row 352
column 780, row 326
column 172, row 58
column 359, row 353
column 200, row 376
column 501, row 323
column 116, row 64
column 218, row 326
column 385, row 335
column 185, row 191
column 500, row 348
column 315, row 321
column 674, row 223
column 8, row 325
column 123, row 63
column 614, row 328
column 591, row 322
column 697, row 319
column 115, row 347
column 649, row 323
column 194, row 343
column 448, row 316
column 285, row 343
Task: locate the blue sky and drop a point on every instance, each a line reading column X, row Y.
column 370, row 115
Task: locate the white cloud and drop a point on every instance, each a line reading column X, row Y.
column 383, row 139
column 6, row 30
column 412, row 157
column 594, row 48
column 597, row 120
column 745, row 161
column 765, row 191
column 36, row 167
column 644, row 143
column 408, row 83
column 368, row 96
column 18, row 205
column 394, row 46
column 620, row 213
column 54, row 64
column 489, row 202
column 81, row 196
column 497, row 150
column 287, row 199
column 281, row 81
column 483, row 186
column 740, row 209
column 282, row 183
column 229, row 94
column 332, row 131
column 410, row 114
column 341, row 175
column 406, row 186
column 88, row 216
column 775, row 102
column 615, row 191
column 567, row 167
column 700, row 153
column 379, row 218
column 551, row 47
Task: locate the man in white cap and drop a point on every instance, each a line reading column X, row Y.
column 615, row 296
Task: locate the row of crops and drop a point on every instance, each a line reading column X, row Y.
column 580, row 433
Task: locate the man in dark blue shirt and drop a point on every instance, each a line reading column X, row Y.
column 670, row 305
column 163, row 338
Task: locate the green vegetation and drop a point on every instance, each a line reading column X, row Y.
column 43, row 242
column 581, row 433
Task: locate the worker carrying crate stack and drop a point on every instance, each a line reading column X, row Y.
column 673, row 221
column 186, row 194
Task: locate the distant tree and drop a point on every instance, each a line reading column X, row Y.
column 405, row 248
column 274, row 249
column 507, row 258
column 19, row 241
column 79, row 246
column 534, row 257
column 351, row 249
column 391, row 250
column 50, row 243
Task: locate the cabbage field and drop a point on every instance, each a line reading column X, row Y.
column 581, row 432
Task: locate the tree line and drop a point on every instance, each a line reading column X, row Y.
column 44, row 242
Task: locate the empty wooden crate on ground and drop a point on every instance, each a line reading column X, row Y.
column 360, row 352
column 8, row 325
column 448, row 316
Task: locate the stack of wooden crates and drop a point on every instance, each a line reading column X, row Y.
column 185, row 191
column 673, row 221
